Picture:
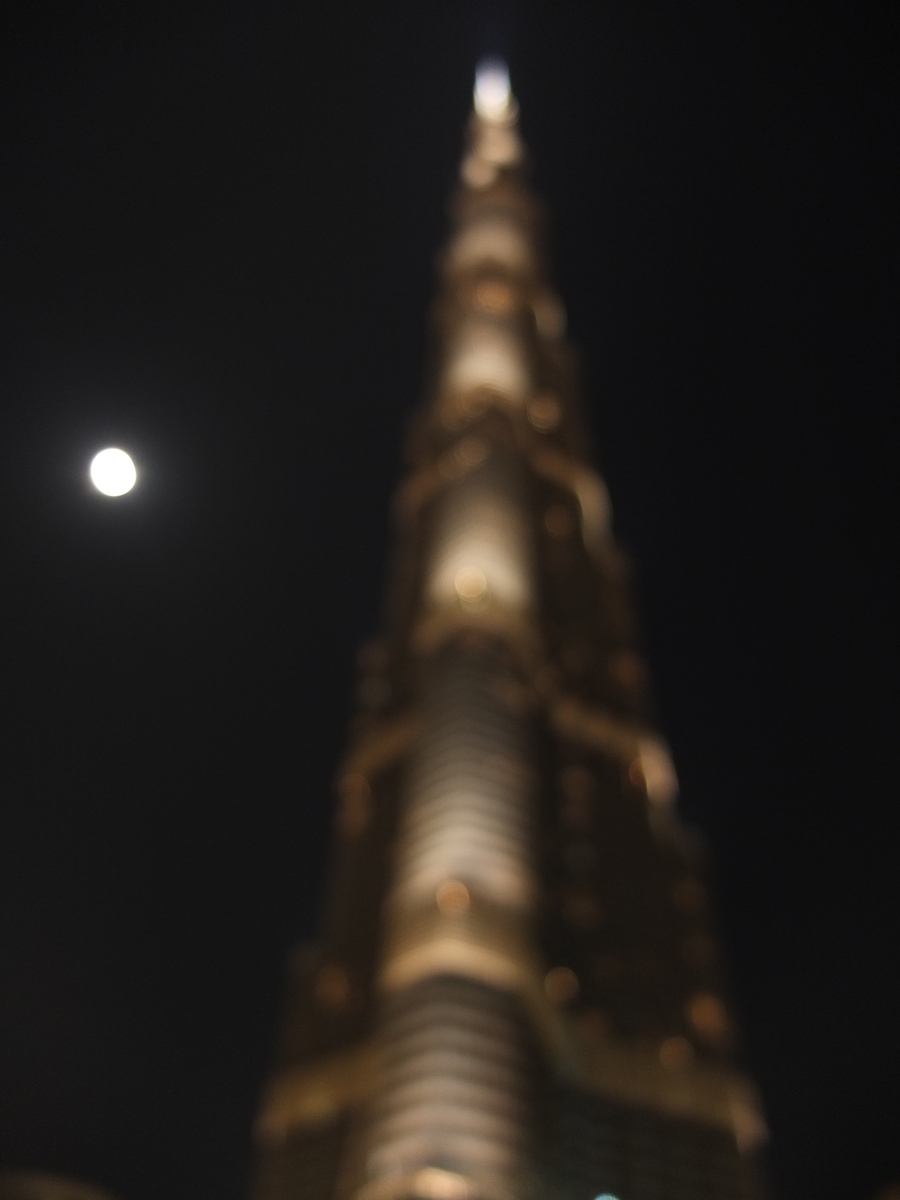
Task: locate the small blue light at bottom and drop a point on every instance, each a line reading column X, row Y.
column 606, row 1196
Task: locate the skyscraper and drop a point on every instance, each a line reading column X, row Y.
column 517, row 991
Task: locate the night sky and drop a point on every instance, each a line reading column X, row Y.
column 219, row 224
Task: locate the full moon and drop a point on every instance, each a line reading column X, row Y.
column 112, row 472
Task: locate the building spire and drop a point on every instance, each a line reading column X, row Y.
column 493, row 141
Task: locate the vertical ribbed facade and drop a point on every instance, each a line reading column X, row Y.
column 451, row 1100
column 517, row 991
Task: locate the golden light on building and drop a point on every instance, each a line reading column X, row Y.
column 676, row 1053
column 452, row 897
column 544, row 412
column 708, row 1016
column 561, row 985
column 517, row 933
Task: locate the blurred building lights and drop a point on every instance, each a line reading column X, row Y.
column 452, row 897
column 549, row 315
column 654, row 770
column 468, row 819
column 477, row 173
column 435, row 1184
column 506, row 526
column 481, row 548
column 485, row 355
column 470, row 584
column 494, row 296
column 676, row 1053
column 708, row 1016
column 544, row 412
column 499, row 146
column 491, row 240
column 561, row 985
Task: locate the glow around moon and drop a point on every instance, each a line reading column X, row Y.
column 112, row 472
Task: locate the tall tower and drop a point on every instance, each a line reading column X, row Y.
column 517, row 991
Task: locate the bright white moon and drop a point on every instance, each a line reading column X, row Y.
column 112, row 472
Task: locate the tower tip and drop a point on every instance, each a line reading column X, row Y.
column 493, row 97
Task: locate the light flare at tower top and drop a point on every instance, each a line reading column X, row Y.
column 492, row 93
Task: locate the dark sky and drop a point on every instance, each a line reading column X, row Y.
column 218, row 231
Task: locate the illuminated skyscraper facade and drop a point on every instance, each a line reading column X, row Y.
column 517, row 992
